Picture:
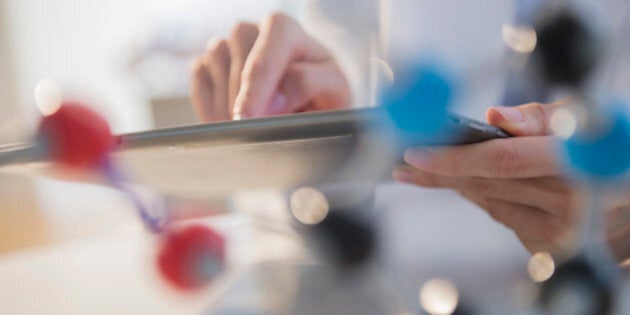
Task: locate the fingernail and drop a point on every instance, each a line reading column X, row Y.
column 278, row 105
column 239, row 116
column 402, row 175
column 510, row 114
column 237, row 111
column 420, row 158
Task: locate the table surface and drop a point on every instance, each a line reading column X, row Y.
column 95, row 258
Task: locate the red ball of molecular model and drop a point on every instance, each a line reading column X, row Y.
column 191, row 257
column 78, row 137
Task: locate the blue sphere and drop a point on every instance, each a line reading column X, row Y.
column 601, row 156
column 417, row 105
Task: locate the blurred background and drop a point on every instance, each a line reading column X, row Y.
column 129, row 60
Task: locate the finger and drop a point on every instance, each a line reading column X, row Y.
column 240, row 43
column 538, row 231
column 534, row 192
column 523, row 157
column 527, row 222
column 201, row 90
column 534, row 246
column 281, row 41
column 217, row 61
column 311, row 86
column 618, row 231
column 526, row 120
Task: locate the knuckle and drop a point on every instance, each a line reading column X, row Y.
column 214, row 43
column 565, row 207
column 495, row 210
column 296, row 74
column 563, row 204
column 215, row 52
column 453, row 166
column 220, row 48
column 206, row 58
column 256, row 67
column 480, row 186
column 540, row 114
column 242, row 29
column 278, row 19
column 426, row 180
column 553, row 231
column 197, row 68
column 280, row 25
column 507, row 161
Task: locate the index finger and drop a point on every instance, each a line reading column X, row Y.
column 281, row 41
column 522, row 157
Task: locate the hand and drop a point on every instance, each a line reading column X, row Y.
column 267, row 69
column 516, row 181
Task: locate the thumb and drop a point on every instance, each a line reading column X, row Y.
column 531, row 119
column 310, row 86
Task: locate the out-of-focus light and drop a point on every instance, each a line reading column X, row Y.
column 541, row 267
column 520, row 39
column 48, row 96
column 439, row 297
column 564, row 123
column 309, row 205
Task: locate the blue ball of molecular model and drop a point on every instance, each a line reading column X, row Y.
column 416, row 105
column 603, row 153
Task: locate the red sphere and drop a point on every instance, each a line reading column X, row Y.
column 191, row 257
column 76, row 136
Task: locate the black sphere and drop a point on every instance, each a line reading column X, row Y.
column 344, row 239
column 579, row 276
column 567, row 51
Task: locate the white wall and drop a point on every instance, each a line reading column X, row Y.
column 10, row 115
column 84, row 45
column 76, row 43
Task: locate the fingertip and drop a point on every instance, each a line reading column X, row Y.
column 237, row 110
column 493, row 117
column 243, row 107
column 511, row 119
column 402, row 175
column 505, row 114
column 419, row 157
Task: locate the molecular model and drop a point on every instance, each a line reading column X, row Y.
column 80, row 139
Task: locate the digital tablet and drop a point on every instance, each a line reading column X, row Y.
column 208, row 161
